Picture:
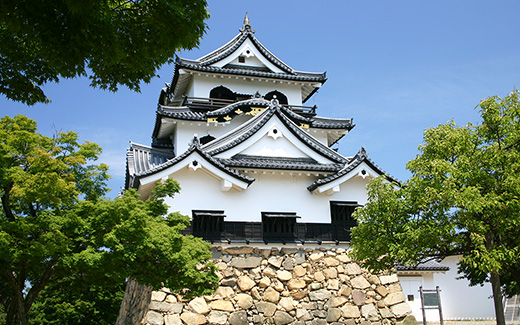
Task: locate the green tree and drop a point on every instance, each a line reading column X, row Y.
column 116, row 42
column 56, row 226
column 463, row 198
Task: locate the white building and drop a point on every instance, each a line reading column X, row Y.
column 256, row 166
column 233, row 130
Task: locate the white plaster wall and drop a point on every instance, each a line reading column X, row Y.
column 283, row 193
column 202, row 85
column 459, row 300
column 410, row 285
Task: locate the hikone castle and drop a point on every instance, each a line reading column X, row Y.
column 261, row 183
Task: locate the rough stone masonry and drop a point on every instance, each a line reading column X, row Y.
column 287, row 286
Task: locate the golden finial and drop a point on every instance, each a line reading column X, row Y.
column 246, row 27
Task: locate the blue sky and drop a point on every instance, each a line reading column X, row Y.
column 396, row 67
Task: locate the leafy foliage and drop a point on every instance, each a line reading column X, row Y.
column 117, row 42
column 48, row 235
column 463, row 198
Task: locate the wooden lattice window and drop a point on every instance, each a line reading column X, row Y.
column 279, row 222
column 341, row 211
column 207, row 221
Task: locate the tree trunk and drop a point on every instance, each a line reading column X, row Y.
column 134, row 306
column 16, row 313
column 497, row 298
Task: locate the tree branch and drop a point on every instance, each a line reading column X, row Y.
column 5, row 201
column 36, row 288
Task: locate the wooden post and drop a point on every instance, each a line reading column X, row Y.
column 440, row 305
column 422, row 306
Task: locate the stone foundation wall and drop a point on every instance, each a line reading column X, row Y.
column 287, row 286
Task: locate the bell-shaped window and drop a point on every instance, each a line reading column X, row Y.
column 282, row 99
column 222, row 92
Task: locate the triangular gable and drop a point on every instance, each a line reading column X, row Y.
column 198, row 161
column 271, row 129
column 359, row 166
column 247, row 45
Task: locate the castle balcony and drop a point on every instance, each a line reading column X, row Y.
column 209, row 104
column 258, row 232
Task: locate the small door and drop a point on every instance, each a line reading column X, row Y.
column 410, row 285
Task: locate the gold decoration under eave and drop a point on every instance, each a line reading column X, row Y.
column 255, row 111
column 227, row 118
column 212, row 120
column 239, row 111
column 304, row 125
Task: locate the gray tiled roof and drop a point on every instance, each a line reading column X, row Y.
column 252, row 126
column 431, row 265
column 283, row 163
column 231, row 46
column 332, row 123
column 181, row 113
column 231, row 107
column 360, row 157
column 185, row 113
column 195, row 147
column 296, row 76
column 141, row 158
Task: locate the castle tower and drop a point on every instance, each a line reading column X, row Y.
column 262, row 184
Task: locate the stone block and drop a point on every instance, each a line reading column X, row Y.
column 154, row 318
column 283, row 275
column 318, row 276
column 401, row 310
column 333, row 314
column 238, row 318
column 239, row 250
column 275, row 261
column 166, row 307
column 264, row 282
column 330, row 273
column 387, row 279
column 229, row 282
column 295, row 284
column 359, row 282
column 158, row 295
column 245, row 283
column 383, row 291
column 350, row 311
column 303, row 314
column 288, row 263
column 190, row 318
column 369, row 311
column 266, row 308
column 352, row 269
column 199, row 306
column 244, row 301
column 217, row 317
column 321, row 294
column 223, row 305
column 224, row 292
column 358, row 297
column 299, row 294
column 172, row 319
column 345, row 291
column 282, row 318
column 249, row 262
column 334, row 302
column 287, row 303
column 330, row 261
column 316, row 256
column 299, row 271
column 394, row 298
column 271, row 295
column 299, row 257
